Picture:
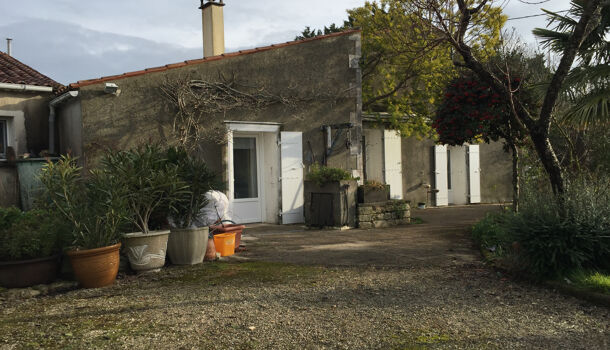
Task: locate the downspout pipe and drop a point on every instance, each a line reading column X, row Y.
column 52, row 114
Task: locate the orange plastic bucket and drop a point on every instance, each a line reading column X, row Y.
column 225, row 243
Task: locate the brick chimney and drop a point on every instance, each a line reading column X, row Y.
column 213, row 27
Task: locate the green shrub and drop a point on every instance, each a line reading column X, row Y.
column 150, row 183
column 198, row 178
column 95, row 206
column 321, row 174
column 550, row 244
column 493, row 232
column 30, row 235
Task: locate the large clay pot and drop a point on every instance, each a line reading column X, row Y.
column 146, row 252
column 210, row 252
column 94, row 268
column 26, row 273
column 187, row 246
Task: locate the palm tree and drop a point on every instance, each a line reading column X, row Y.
column 587, row 87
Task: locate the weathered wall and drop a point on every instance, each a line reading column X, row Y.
column 36, row 118
column 140, row 114
column 496, row 173
column 418, row 171
column 417, row 168
column 69, row 125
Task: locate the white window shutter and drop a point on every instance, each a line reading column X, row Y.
column 474, row 174
column 292, row 177
column 393, row 162
column 440, row 175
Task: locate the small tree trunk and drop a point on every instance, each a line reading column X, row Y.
column 549, row 160
column 516, row 178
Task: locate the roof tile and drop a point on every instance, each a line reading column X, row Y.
column 13, row 71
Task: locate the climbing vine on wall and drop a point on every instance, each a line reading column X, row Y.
column 202, row 104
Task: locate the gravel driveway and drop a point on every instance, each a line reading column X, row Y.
column 456, row 302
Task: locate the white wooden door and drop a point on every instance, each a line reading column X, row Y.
column 440, row 175
column 393, row 162
column 292, row 177
column 474, row 174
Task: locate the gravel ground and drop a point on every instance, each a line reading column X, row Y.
column 262, row 305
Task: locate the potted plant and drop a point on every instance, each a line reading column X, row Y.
column 187, row 242
column 30, row 247
column 373, row 191
column 151, row 186
column 94, row 208
column 330, row 197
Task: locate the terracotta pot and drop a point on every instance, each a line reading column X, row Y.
column 210, row 252
column 26, row 273
column 146, row 252
column 226, row 228
column 187, row 246
column 94, row 268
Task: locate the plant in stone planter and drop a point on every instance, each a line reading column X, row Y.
column 30, row 247
column 321, row 174
column 94, row 208
column 373, row 191
column 330, row 197
column 150, row 184
column 187, row 243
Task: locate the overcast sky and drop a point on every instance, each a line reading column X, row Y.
column 71, row 40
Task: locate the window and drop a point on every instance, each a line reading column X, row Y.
column 3, row 138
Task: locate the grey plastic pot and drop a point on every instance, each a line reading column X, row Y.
column 146, row 252
column 187, row 246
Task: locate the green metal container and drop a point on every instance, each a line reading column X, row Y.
column 29, row 171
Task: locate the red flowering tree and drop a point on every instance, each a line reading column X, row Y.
column 471, row 112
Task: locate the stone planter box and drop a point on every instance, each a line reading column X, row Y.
column 367, row 194
column 331, row 205
column 384, row 214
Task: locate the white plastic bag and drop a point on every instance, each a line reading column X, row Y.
column 216, row 209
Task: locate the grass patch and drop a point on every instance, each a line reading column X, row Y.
column 416, row 221
column 595, row 281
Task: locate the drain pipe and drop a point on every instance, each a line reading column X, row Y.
column 52, row 105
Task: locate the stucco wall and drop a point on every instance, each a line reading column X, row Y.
column 140, row 114
column 69, row 125
column 496, row 173
column 35, row 110
column 418, row 170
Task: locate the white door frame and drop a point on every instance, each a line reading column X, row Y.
column 248, row 129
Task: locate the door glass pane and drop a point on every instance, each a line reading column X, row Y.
column 245, row 167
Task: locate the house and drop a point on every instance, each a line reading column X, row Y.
column 24, row 120
column 310, row 89
column 421, row 171
column 270, row 113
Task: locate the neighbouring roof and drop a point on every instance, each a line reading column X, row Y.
column 82, row 83
column 12, row 71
